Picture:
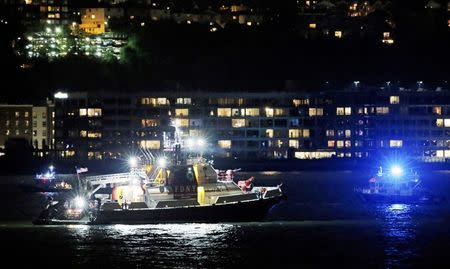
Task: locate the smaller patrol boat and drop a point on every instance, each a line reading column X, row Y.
column 396, row 186
column 47, row 182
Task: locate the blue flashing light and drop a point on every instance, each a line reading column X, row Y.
column 396, row 171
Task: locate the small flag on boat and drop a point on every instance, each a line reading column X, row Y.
column 82, row 170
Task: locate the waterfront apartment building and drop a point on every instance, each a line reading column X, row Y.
column 355, row 123
column 34, row 124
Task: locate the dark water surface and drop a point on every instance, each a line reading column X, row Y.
column 321, row 225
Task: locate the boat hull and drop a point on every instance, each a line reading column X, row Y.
column 254, row 210
column 399, row 199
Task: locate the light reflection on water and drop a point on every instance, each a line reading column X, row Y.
column 162, row 245
column 399, row 233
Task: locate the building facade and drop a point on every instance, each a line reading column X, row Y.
column 93, row 20
column 250, row 125
column 16, row 123
column 35, row 124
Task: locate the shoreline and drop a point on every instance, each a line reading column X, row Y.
column 16, row 168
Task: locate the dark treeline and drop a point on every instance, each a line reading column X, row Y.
column 167, row 55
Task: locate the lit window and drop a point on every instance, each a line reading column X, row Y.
column 94, row 135
column 312, row 25
column 238, row 123
column 338, row 34
column 252, row 112
column 394, row 100
column 269, row 112
column 293, row 144
column 17, row 114
column 224, row 112
column 330, row 132
column 348, row 111
column 447, row 153
column 331, row 143
column 150, row 144
column 439, row 122
column 306, row 133
column 83, row 112
column 382, row 110
column 93, row 16
column 395, row 143
column 386, row 35
column 27, row 114
column 94, row 112
column 447, row 122
column 183, row 101
column 279, row 143
column 225, row 144
column 315, row 111
column 69, row 153
column 83, row 133
column 437, row 110
column 340, row 143
column 340, row 111
column 348, row 143
column 180, row 112
column 269, row 133
column 182, row 122
column 299, row 102
column 295, row 133
column 348, row 133
column 94, row 155
column 155, row 101
column 162, row 101
column 149, row 123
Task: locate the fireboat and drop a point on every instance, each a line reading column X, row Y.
column 167, row 189
column 396, row 186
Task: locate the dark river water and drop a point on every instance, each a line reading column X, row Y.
column 321, row 225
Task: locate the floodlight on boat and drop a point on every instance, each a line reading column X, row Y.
column 162, row 162
column 396, row 171
column 201, row 142
column 132, row 161
column 79, row 202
